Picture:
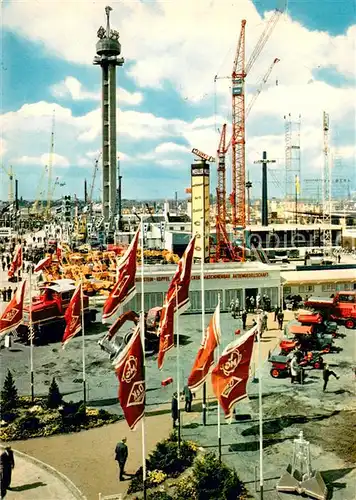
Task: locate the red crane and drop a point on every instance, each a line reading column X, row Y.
column 221, row 232
column 239, row 73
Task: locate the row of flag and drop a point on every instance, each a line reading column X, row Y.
column 230, row 374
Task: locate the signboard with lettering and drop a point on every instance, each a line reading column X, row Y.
column 225, row 276
column 202, row 155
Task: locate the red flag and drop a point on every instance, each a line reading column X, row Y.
column 173, row 305
column 230, row 375
column 16, row 262
column 12, row 316
column 43, row 263
column 125, row 286
column 73, row 315
column 205, row 356
column 129, row 369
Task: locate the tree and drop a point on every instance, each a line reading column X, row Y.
column 54, row 398
column 9, row 397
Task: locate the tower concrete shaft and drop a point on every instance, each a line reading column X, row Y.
column 108, row 50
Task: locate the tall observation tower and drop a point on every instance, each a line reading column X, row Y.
column 108, row 51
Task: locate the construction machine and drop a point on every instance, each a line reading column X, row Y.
column 152, row 319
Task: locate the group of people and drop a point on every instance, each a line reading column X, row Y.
column 7, row 294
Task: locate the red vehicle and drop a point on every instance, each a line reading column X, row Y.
column 341, row 308
column 307, row 338
column 320, row 325
column 48, row 310
column 280, row 363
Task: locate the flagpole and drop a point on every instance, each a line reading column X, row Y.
column 260, row 406
column 203, row 326
column 142, row 331
column 178, row 371
column 219, row 416
column 83, row 343
column 31, row 338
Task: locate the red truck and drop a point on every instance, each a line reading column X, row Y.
column 340, row 308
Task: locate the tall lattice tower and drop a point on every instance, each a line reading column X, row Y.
column 292, row 155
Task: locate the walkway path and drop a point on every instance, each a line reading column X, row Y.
column 87, row 458
column 31, row 481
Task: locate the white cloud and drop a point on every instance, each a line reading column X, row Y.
column 3, row 147
column 57, row 160
column 171, row 147
column 72, row 88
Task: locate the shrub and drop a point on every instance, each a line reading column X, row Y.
column 185, row 490
column 215, row 480
column 156, row 477
column 159, row 495
column 165, row 457
column 28, row 423
column 104, row 415
column 73, row 414
column 8, row 416
column 54, row 398
column 9, row 396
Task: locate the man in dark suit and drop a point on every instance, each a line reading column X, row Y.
column 7, row 463
column 121, row 453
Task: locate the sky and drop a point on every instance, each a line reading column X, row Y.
column 168, row 102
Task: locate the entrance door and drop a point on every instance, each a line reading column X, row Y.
column 250, row 292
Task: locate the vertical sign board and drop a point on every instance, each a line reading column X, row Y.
column 200, row 208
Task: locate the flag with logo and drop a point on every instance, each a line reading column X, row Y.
column 73, row 316
column 205, row 356
column 17, row 262
column 129, row 368
column 13, row 314
column 43, row 263
column 176, row 301
column 125, row 286
column 230, row 375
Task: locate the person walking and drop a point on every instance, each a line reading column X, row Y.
column 294, row 369
column 276, row 311
column 244, row 319
column 174, row 409
column 8, row 293
column 280, row 318
column 7, row 463
column 121, row 454
column 327, row 374
column 188, row 396
column 4, row 294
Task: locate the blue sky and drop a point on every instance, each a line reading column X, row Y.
column 167, row 99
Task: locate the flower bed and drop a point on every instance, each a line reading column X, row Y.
column 192, row 476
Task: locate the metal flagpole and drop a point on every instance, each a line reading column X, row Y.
column 178, row 371
column 203, row 328
column 31, row 336
column 83, row 343
column 142, row 328
column 219, row 416
column 260, row 405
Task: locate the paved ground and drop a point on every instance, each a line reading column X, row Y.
column 87, row 457
column 31, row 482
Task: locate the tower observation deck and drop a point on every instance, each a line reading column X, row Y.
column 108, row 50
